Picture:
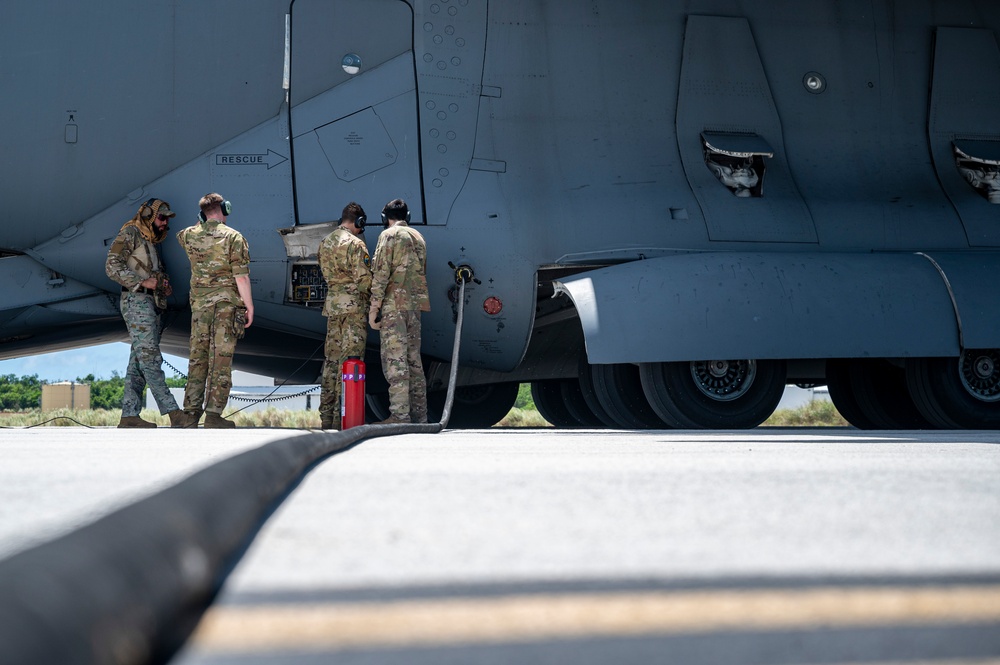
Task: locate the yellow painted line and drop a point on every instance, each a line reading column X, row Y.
column 524, row 618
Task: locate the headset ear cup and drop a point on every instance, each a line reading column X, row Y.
column 407, row 216
column 360, row 222
column 201, row 216
column 227, row 208
column 146, row 210
column 385, row 220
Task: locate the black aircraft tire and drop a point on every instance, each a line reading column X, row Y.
column 577, row 406
column 678, row 396
column 590, row 395
column 880, row 391
column 376, row 407
column 838, row 382
column 945, row 389
column 475, row 407
column 619, row 390
column 548, row 399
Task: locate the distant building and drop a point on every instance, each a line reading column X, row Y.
column 65, row 395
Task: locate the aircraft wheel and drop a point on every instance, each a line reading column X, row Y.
column 550, row 404
column 619, row 390
column 881, row 392
column 715, row 394
column 589, row 393
column 376, row 407
column 572, row 397
column 838, row 382
column 475, row 407
column 957, row 392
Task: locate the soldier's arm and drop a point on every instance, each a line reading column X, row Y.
column 240, row 261
column 380, row 271
column 323, row 257
column 243, row 286
column 116, row 266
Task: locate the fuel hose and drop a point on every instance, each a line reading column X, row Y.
column 131, row 587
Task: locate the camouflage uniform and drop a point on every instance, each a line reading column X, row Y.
column 399, row 288
column 218, row 255
column 132, row 258
column 343, row 258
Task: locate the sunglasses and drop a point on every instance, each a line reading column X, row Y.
column 162, row 218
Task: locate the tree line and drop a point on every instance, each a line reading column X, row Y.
column 25, row 392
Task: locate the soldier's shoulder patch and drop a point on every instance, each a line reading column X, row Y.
column 368, row 260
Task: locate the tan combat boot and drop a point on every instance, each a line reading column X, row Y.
column 134, row 421
column 179, row 418
column 216, row 421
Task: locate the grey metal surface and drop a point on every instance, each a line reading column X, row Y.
column 692, row 306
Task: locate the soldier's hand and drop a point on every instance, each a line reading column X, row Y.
column 372, row 315
column 148, row 283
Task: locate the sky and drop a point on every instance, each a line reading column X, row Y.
column 101, row 361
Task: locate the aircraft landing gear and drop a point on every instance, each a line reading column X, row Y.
column 619, row 390
column 475, row 407
column 958, row 392
column 549, row 401
column 871, row 393
column 716, row 394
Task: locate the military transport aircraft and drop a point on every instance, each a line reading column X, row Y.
column 671, row 209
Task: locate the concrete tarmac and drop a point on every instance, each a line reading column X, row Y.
column 769, row 546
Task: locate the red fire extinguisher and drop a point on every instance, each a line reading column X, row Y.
column 352, row 393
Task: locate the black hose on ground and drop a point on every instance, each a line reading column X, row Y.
column 131, row 587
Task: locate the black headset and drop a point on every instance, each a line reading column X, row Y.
column 361, row 221
column 226, row 207
column 146, row 210
column 385, row 218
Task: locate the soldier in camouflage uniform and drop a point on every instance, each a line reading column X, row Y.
column 134, row 262
column 221, row 307
column 343, row 258
column 399, row 290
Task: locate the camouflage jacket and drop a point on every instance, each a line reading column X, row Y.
column 218, row 255
column 399, row 282
column 343, row 258
column 132, row 258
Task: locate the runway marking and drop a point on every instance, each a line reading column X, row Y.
column 525, row 618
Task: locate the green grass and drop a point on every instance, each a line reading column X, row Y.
column 817, row 413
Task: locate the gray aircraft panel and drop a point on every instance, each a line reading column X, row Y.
column 324, row 32
column 450, row 39
column 27, row 282
column 712, row 305
column 252, row 170
column 139, row 89
column 964, row 107
column 724, row 90
column 972, row 278
column 331, row 136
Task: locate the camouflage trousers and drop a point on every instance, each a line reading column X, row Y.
column 400, row 337
column 345, row 337
column 210, row 364
column 144, row 361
